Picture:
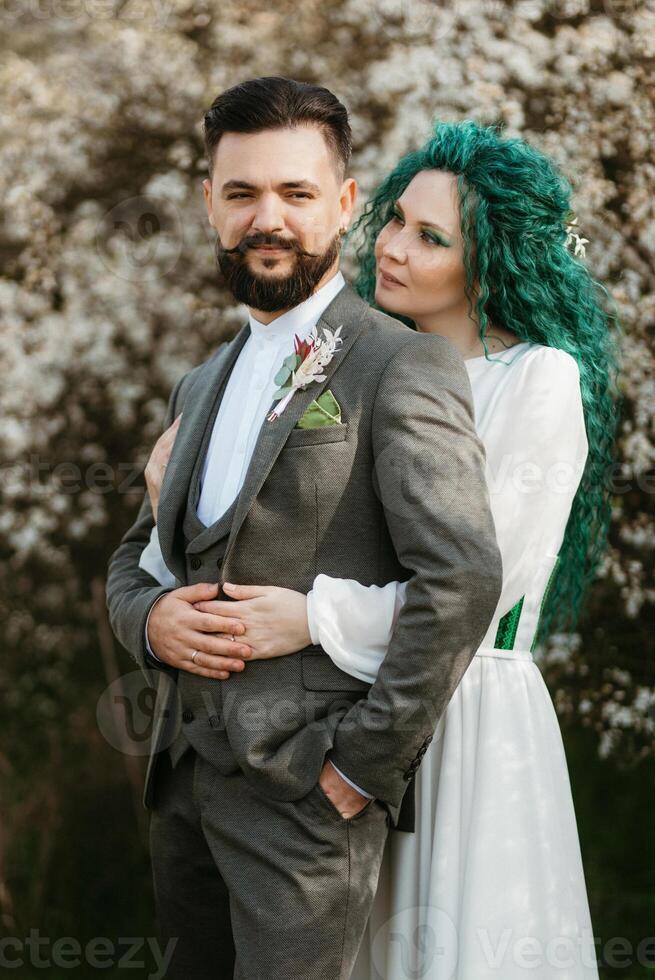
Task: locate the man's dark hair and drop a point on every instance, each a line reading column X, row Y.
column 274, row 102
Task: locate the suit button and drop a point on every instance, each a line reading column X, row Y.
column 429, row 739
column 187, row 715
column 214, row 721
column 195, row 563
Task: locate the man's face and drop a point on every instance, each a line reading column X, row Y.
column 277, row 203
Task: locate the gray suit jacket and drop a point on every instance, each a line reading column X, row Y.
column 397, row 490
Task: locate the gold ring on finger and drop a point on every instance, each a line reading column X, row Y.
column 194, row 655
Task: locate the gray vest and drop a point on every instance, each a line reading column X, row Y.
column 199, row 706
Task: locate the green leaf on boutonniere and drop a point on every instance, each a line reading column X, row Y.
column 293, row 362
column 289, row 365
column 324, row 410
column 281, row 392
column 282, row 376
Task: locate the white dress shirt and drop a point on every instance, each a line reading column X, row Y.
column 247, row 398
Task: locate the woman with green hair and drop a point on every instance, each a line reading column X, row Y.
column 471, row 237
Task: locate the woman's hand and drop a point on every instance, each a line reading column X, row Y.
column 154, row 471
column 275, row 619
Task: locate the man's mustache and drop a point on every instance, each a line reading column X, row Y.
column 254, row 241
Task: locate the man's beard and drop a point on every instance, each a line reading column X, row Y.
column 277, row 292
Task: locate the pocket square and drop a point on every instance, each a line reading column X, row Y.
column 324, row 410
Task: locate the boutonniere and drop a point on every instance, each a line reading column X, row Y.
column 304, row 366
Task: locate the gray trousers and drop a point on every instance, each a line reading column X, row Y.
column 254, row 888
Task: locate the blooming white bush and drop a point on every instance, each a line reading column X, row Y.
column 108, row 290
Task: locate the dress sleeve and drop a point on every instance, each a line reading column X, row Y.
column 354, row 622
column 536, row 453
column 151, row 560
column 536, row 448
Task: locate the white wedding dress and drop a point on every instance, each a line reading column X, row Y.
column 491, row 884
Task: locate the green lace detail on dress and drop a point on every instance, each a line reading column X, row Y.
column 543, row 602
column 507, row 627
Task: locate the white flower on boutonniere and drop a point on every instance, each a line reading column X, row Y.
column 304, row 366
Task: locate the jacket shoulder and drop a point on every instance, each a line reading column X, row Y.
column 395, row 341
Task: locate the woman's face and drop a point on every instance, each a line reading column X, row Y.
column 419, row 253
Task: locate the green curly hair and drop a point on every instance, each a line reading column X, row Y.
column 514, row 206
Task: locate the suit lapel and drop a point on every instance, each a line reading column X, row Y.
column 197, row 409
column 347, row 310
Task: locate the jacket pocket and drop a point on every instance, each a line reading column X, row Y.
column 317, row 436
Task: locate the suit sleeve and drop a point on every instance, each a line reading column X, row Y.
column 149, row 651
column 132, row 591
column 429, row 473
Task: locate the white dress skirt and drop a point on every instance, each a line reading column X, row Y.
column 490, row 886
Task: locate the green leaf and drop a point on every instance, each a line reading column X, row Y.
column 281, row 392
column 292, row 362
column 282, row 376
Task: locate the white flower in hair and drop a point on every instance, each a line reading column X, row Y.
column 572, row 236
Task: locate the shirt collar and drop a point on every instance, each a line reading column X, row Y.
column 298, row 320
